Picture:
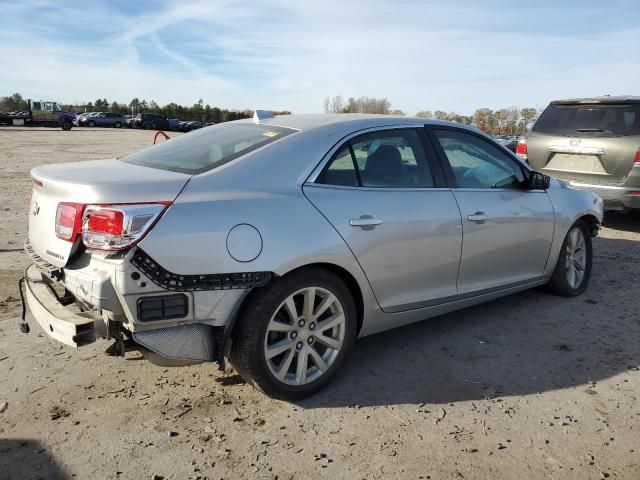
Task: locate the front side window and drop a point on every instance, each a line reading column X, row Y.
column 208, row 148
column 476, row 163
column 386, row 159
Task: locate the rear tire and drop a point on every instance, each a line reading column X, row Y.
column 91, row 123
column 117, row 125
column 573, row 268
column 312, row 342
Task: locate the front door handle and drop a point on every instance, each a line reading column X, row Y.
column 366, row 222
column 478, row 217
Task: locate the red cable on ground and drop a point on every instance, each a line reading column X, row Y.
column 158, row 133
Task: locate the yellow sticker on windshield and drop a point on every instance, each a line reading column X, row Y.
column 271, row 133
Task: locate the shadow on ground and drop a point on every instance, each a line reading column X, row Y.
column 522, row 344
column 25, row 459
column 626, row 222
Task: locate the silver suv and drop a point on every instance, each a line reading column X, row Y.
column 593, row 143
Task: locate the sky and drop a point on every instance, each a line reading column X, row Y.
column 453, row 55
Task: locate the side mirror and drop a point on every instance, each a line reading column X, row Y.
column 538, row 181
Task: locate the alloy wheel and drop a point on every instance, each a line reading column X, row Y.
column 304, row 336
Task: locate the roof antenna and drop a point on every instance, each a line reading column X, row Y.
column 261, row 115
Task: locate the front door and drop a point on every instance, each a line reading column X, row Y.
column 507, row 228
column 378, row 191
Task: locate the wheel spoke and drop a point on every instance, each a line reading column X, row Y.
column 281, row 373
column 290, row 308
column 328, row 341
column 276, row 326
column 318, row 360
column 333, row 321
column 578, row 263
column 309, row 300
column 326, row 303
column 279, row 347
column 301, row 366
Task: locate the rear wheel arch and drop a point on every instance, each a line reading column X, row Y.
column 344, row 275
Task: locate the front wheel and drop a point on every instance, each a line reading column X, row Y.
column 295, row 333
column 573, row 269
column 66, row 125
column 117, row 125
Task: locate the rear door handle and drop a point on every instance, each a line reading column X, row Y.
column 479, row 217
column 366, row 222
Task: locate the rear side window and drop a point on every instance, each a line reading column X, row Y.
column 207, row 148
column 387, row 159
column 590, row 120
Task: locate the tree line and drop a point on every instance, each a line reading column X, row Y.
column 505, row 121
column 199, row 111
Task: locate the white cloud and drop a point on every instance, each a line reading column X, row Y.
column 277, row 54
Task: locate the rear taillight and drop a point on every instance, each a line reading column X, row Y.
column 636, row 160
column 521, row 148
column 116, row 227
column 69, row 221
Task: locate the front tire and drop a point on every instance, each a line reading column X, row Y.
column 91, row 123
column 117, row 125
column 66, row 125
column 573, row 268
column 295, row 333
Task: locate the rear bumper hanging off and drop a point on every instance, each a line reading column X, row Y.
column 56, row 320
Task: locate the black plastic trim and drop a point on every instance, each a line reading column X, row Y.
column 165, row 307
column 184, row 283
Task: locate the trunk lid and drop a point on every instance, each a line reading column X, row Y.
column 93, row 182
column 589, row 143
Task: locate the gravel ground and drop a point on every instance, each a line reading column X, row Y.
column 530, row 386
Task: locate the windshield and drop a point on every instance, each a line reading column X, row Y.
column 590, row 120
column 208, row 148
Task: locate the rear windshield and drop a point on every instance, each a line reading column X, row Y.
column 208, row 148
column 590, row 120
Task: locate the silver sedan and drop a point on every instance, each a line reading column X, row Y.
column 276, row 242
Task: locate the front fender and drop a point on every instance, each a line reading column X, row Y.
column 569, row 206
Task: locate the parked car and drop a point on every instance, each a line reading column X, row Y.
column 593, row 143
column 190, row 126
column 151, row 121
column 102, row 119
column 508, row 141
column 129, row 121
column 280, row 240
column 174, row 124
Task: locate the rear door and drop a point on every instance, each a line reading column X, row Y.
column 382, row 191
column 507, row 229
column 588, row 143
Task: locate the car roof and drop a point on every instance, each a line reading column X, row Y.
column 605, row 99
column 348, row 121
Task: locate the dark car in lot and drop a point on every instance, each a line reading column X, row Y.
column 102, row 119
column 593, row 143
column 151, row 121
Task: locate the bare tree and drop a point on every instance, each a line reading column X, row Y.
column 334, row 104
column 424, row 114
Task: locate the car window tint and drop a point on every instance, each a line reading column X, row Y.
column 341, row 170
column 386, row 159
column 208, row 148
column 476, row 163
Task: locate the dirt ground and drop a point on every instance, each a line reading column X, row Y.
column 529, row 386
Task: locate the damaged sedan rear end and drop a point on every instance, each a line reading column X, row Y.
column 91, row 277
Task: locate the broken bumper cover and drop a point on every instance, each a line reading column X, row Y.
column 60, row 323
